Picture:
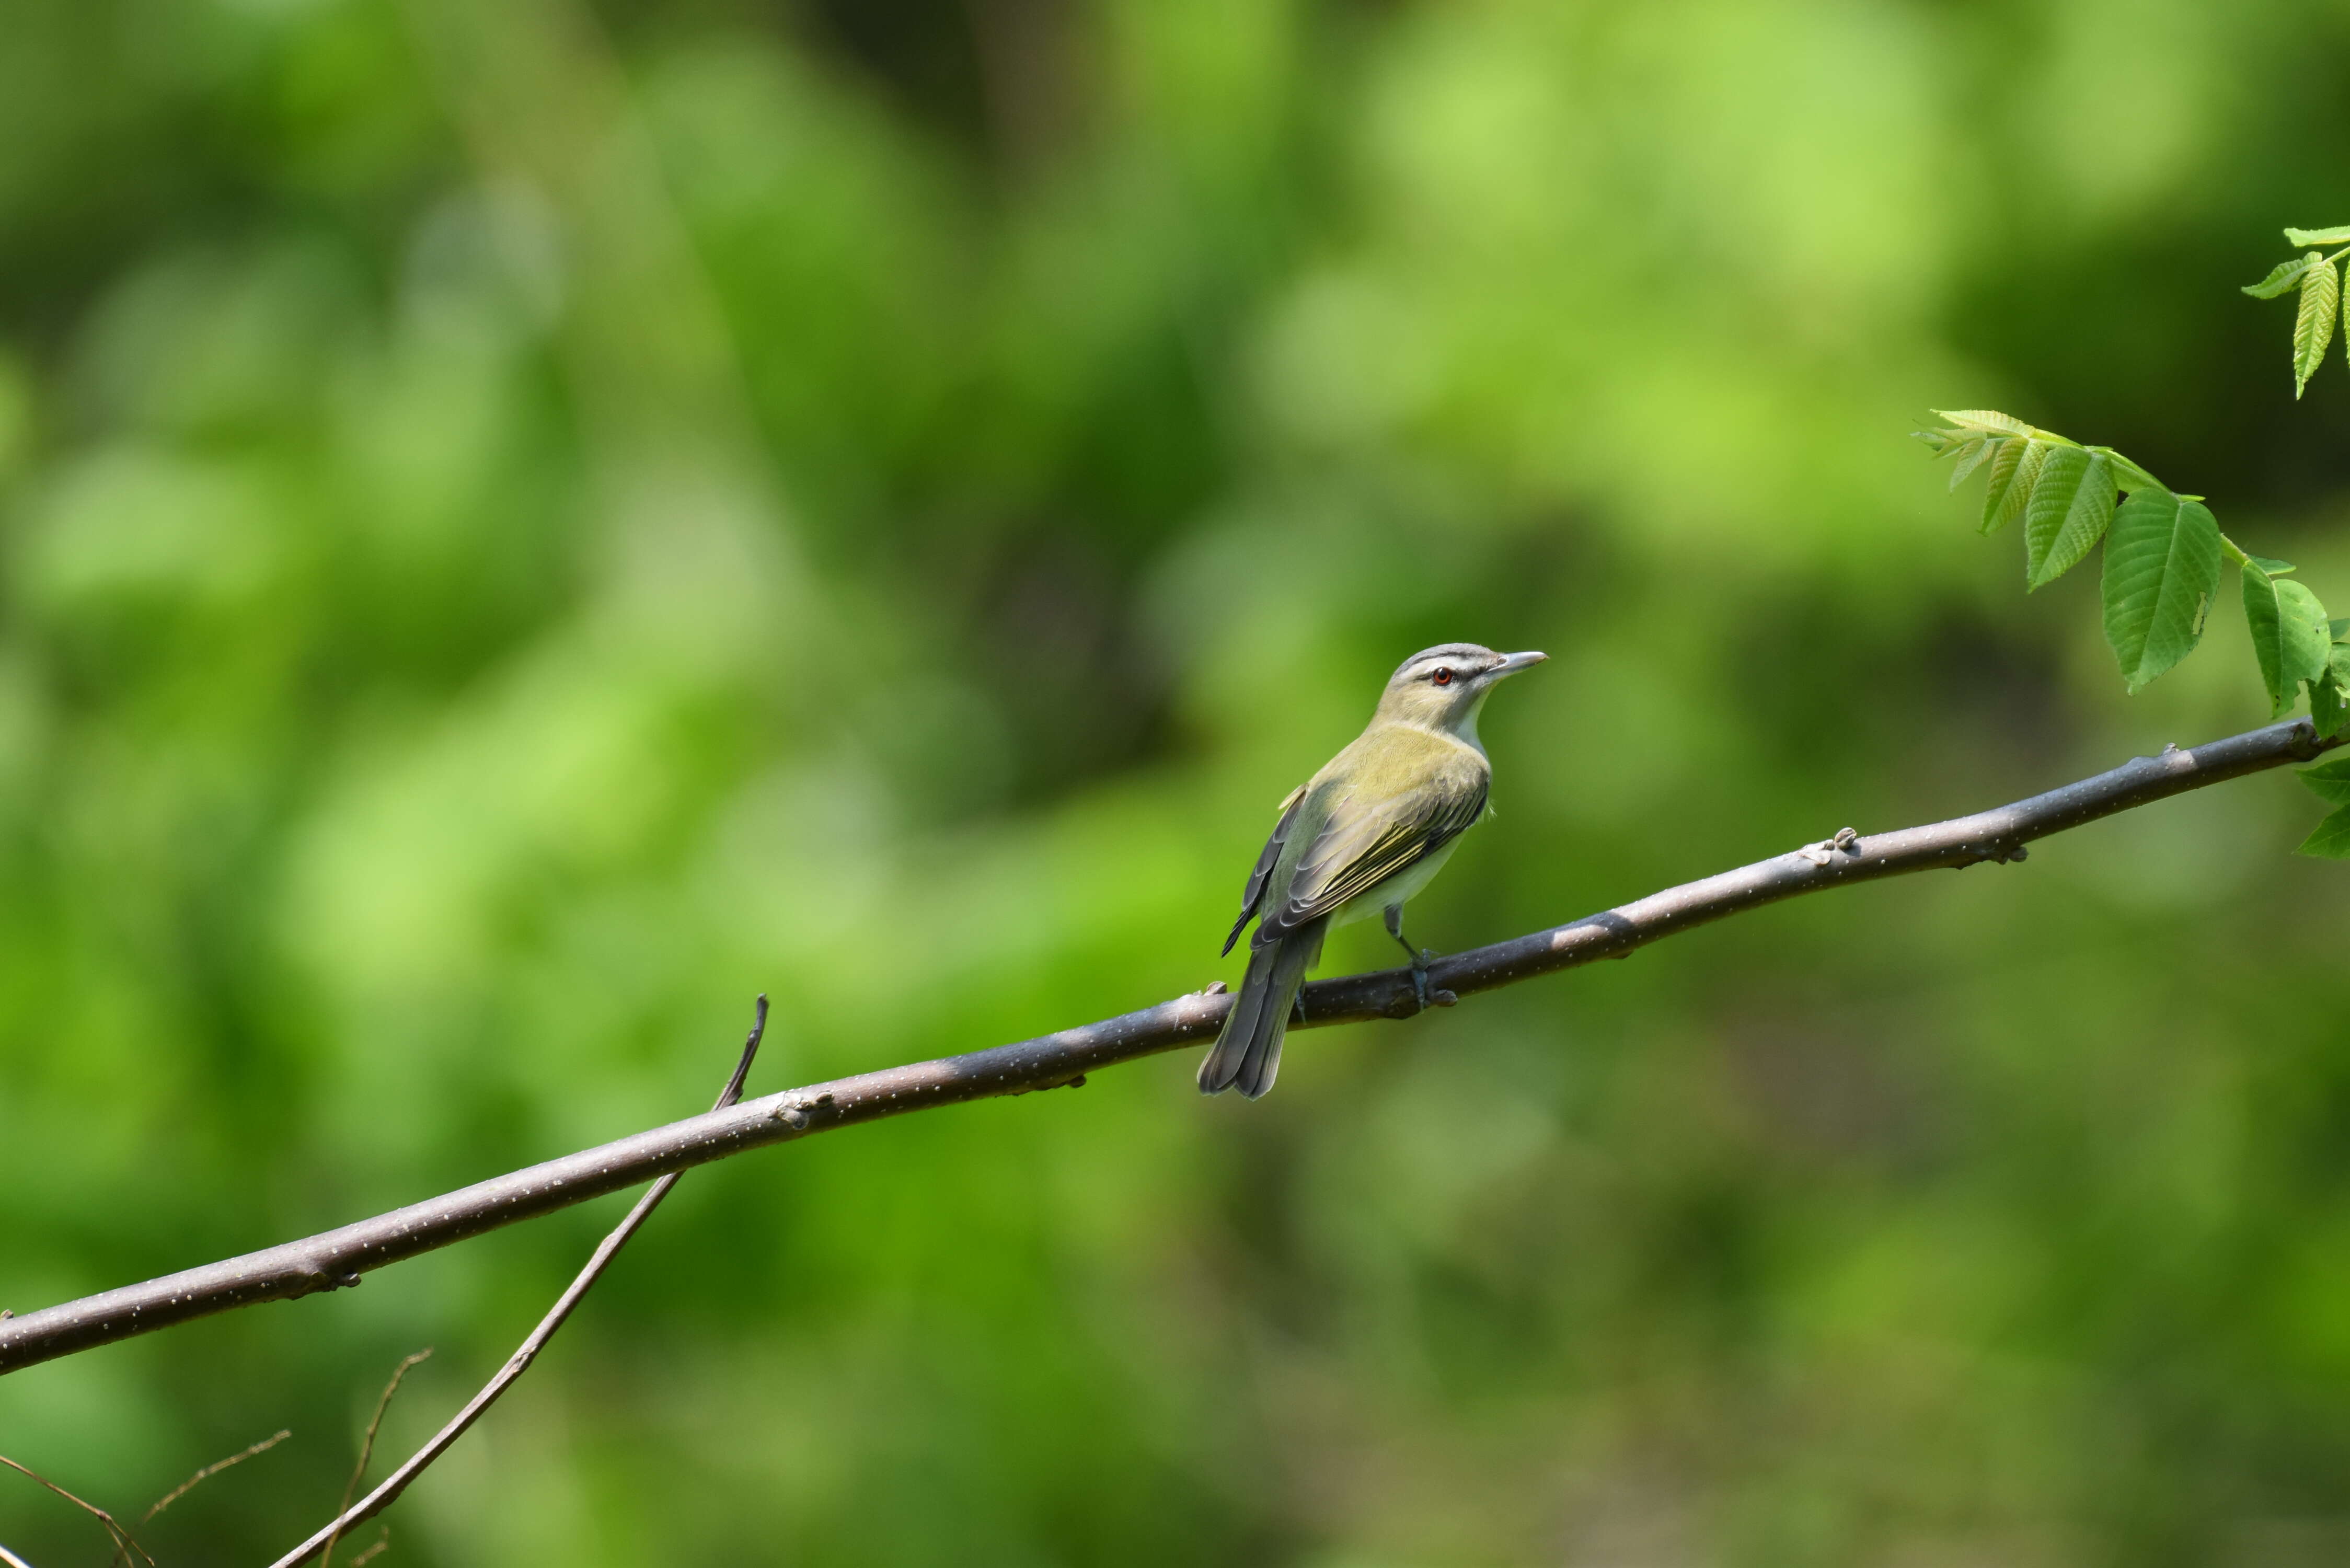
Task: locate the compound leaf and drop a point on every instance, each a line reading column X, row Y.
column 2162, row 569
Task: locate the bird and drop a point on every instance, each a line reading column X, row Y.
column 1360, row 837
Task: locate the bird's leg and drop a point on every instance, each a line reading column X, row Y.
column 1419, row 957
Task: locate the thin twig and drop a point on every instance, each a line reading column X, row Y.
column 210, row 1470
column 11, row 1560
column 367, row 1449
column 121, row 1537
column 339, row 1257
column 383, row 1496
column 189, row 1485
column 375, row 1549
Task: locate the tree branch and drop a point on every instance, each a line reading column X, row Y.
column 322, row 1541
column 337, row 1258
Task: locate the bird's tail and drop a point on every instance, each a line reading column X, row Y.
column 1248, row 1052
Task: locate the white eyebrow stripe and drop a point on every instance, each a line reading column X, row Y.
column 1455, row 662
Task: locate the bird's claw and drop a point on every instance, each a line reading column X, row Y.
column 1426, row 995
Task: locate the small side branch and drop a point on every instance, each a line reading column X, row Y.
column 385, row 1495
column 366, row 1448
column 210, row 1470
column 124, row 1545
column 339, row 1257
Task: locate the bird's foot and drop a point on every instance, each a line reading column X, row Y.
column 1429, row 996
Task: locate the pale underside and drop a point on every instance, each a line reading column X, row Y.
column 1393, row 892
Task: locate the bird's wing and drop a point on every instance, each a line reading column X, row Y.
column 1363, row 842
column 1265, row 864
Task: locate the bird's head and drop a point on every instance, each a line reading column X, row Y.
column 1442, row 688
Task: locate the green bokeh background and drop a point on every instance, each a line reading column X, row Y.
column 523, row 526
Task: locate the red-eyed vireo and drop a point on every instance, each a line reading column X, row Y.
column 1359, row 838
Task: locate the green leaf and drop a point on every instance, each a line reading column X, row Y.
column 2127, row 474
column 1983, row 420
column 1968, row 457
column 2338, row 626
column 2330, row 840
column 2333, row 236
column 2330, row 704
column 2003, row 463
column 2329, row 700
column 2329, row 696
column 2274, row 568
column 1972, row 456
column 2311, row 639
column 2287, row 274
column 2329, row 781
column 2070, row 506
column 2312, row 327
column 2162, row 569
column 2011, row 479
column 2289, row 635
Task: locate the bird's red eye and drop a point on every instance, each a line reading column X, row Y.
column 1443, row 678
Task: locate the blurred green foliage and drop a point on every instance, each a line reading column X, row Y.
column 524, row 526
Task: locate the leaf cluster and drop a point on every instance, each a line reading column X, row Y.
column 2312, row 276
column 2164, row 554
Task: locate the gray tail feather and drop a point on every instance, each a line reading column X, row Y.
column 1247, row 1055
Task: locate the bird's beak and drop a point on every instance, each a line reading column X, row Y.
column 1513, row 663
